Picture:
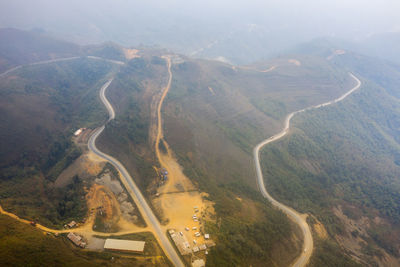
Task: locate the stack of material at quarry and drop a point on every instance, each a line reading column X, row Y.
column 124, row 245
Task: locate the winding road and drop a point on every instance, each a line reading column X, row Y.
column 37, row 63
column 133, row 190
column 141, row 202
column 298, row 218
column 59, row 60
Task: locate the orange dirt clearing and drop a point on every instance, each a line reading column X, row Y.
column 131, row 53
column 320, row 230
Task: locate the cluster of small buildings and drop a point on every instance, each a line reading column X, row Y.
column 181, row 242
column 76, row 239
column 183, row 245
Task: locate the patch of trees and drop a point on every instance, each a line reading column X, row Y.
column 69, row 202
column 327, row 253
column 240, row 243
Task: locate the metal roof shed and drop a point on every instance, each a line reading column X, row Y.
column 124, row 245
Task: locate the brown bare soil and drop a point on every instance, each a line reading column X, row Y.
column 355, row 243
column 319, row 228
column 102, row 202
column 86, row 166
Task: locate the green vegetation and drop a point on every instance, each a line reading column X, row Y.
column 69, row 201
column 127, row 137
column 345, row 156
column 241, row 243
column 265, row 230
column 49, row 102
column 329, row 254
column 108, row 50
column 214, row 135
column 342, row 155
column 271, row 108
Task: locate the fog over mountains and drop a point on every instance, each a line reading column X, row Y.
column 242, row 31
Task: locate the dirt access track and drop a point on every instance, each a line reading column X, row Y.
column 178, row 199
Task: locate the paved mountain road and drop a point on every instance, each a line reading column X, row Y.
column 134, row 191
column 37, row 63
column 58, row 60
column 298, row 218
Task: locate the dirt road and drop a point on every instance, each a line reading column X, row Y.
column 298, row 218
column 178, row 198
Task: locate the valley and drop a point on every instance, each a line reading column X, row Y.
column 106, row 141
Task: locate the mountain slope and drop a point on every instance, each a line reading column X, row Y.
column 340, row 163
column 21, row 47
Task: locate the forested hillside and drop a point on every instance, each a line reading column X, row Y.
column 42, row 105
column 341, row 164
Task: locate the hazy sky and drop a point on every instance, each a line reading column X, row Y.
column 152, row 20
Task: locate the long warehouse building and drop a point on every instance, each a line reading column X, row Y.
column 124, row 245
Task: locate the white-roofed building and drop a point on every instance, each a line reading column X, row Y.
column 124, row 245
